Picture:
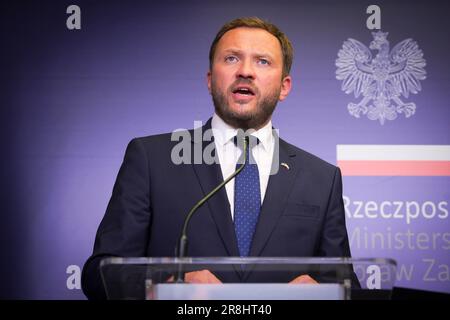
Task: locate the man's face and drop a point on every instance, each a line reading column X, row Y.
column 246, row 77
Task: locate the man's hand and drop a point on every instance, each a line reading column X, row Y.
column 203, row 276
column 303, row 279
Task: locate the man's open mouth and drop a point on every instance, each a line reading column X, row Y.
column 244, row 91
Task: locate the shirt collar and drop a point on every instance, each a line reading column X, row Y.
column 223, row 132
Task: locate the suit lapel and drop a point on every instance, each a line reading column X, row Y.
column 209, row 177
column 278, row 189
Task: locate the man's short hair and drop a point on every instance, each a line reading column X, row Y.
column 255, row 22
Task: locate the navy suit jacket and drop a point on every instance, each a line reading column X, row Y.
column 302, row 214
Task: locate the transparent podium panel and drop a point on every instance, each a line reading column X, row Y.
column 251, row 278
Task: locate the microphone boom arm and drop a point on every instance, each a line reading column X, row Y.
column 182, row 243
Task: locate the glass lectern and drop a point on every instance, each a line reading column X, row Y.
column 253, row 278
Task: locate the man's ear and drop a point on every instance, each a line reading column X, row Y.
column 208, row 79
column 286, row 85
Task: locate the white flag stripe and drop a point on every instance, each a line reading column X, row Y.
column 393, row 152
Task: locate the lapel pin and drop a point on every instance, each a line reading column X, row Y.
column 285, row 165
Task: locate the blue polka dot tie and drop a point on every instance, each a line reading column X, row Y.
column 247, row 202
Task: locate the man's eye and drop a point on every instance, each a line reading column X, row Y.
column 264, row 62
column 231, row 59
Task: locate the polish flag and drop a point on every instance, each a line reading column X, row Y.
column 394, row 160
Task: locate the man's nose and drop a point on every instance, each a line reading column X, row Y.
column 246, row 70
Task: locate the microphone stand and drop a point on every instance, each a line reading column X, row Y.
column 183, row 241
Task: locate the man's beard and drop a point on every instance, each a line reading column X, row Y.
column 250, row 120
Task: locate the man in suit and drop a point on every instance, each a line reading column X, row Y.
column 294, row 210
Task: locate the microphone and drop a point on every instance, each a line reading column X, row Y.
column 183, row 240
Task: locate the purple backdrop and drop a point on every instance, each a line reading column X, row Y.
column 72, row 99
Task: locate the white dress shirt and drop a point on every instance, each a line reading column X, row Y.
column 228, row 154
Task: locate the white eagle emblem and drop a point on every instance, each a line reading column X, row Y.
column 383, row 79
